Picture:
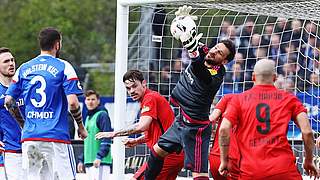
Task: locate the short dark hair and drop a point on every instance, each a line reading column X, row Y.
column 4, row 50
column 47, row 37
column 232, row 49
column 91, row 92
column 133, row 75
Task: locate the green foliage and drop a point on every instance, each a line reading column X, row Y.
column 88, row 27
column 102, row 82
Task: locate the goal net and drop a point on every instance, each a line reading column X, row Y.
column 284, row 31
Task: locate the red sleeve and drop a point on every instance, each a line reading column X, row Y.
column 149, row 107
column 297, row 108
column 222, row 104
column 232, row 111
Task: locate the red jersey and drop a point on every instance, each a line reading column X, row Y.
column 233, row 150
column 157, row 107
column 262, row 115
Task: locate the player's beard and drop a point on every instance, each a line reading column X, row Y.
column 211, row 62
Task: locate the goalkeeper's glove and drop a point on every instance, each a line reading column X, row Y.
column 189, row 39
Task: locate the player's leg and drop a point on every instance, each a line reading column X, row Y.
column 13, row 165
column 173, row 163
column 196, row 139
column 139, row 175
column 64, row 165
column 32, row 159
column 169, row 142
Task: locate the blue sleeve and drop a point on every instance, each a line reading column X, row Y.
column 104, row 124
column 2, row 103
column 15, row 88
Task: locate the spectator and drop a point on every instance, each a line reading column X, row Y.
column 245, row 32
column 266, row 36
column 234, row 80
column 96, row 159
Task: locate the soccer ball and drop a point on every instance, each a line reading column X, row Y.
column 180, row 25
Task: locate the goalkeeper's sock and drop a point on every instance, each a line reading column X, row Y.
column 154, row 166
column 201, row 178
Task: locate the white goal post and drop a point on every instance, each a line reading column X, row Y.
column 305, row 10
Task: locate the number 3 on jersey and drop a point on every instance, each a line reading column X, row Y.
column 263, row 116
column 39, row 91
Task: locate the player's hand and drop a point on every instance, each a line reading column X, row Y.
column 82, row 132
column 80, row 167
column 318, row 142
column 310, row 168
column 130, row 142
column 96, row 163
column 223, row 169
column 189, row 39
column 185, row 11
column 101, row 135
column 1, row 147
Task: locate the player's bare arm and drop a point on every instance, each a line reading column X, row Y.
column 14, row 110
column 77, row 115
column 132, row 142
column 136, row 128
column 308, row 140
column 224, row 143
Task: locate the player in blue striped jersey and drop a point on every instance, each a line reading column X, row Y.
column 48, row 85
column 10, row 128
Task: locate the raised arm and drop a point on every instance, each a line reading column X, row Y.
column 11, row 105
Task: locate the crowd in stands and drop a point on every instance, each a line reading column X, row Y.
column 293, row 44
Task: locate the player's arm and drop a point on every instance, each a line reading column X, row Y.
column 76, row 114
column 131, row 142
column 136, row 128
column 214, row 116
column 308, row 140
column 14, row 110
column 224, row 143
column 104, row 124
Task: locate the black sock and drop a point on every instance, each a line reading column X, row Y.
column 154, row 166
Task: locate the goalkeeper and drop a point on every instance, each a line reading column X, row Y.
column 194, row 94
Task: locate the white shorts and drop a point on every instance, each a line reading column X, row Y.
column 101, row 173
column 48, row 161
column 2, row 173
column 13, row 165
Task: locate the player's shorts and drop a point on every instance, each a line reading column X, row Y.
column 233, row 168
column 48, row 160
column 193, row 138
column 172, row 165
column 292, row 174
column 13, row 165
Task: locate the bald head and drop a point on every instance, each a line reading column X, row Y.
column 264, row 72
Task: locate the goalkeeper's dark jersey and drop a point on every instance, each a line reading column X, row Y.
column 197, row 87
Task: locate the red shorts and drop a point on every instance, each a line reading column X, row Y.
column 214, row 166
column 172, row 165
column 291, row 175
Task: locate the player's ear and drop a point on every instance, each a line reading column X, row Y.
column 144, row 83
column 224, row 62
column 274, row 78
column 253, row 77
